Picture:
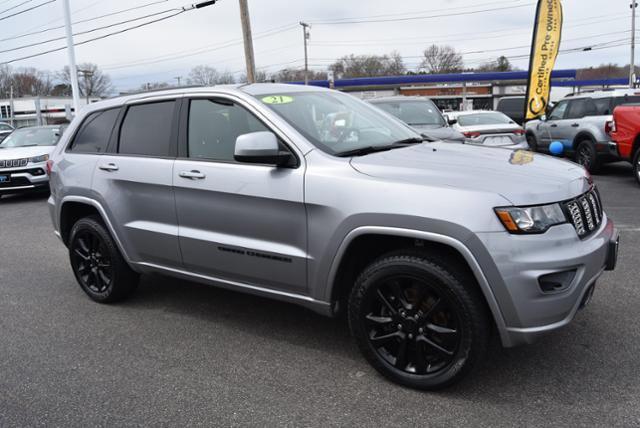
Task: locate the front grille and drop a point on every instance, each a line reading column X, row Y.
column 585, row 213
column 13, row 163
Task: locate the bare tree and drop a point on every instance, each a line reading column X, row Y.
column 441, row 59
column 30, row 81
column 203, row 75
column 604, row 71
column 368, row 65
column 297, row 75
column 92, row 81
column 6, row 75
column 154, row 86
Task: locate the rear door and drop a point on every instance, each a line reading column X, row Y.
column 239, row 222
column 134, row 182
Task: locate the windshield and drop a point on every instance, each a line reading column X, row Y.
column 489, row 118
column 5, row 128
column 32, row 137
column 414, row 113
column 337, row 123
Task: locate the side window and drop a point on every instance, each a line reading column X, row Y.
column 214, row 127
column 93, row 135
column 603, row 106
column 146, row 130
column 559, row 111
column 580, row 108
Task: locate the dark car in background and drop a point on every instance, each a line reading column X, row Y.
column 512, row 107
column 421, row 114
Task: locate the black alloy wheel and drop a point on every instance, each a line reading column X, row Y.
column 97, row 263
column 636, row 165
column 92, row 262
column 586, row 156
column 418, row 320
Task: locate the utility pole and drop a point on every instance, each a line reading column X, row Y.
column 87, row 74
column 73, row 73
column 632, row 63
column 12, row 115
column 248, row 41
column 306, row 35
column 179, row 79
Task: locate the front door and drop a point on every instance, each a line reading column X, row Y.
column 239, row 222
column 551, row 127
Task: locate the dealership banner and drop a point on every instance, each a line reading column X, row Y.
column 547, row 34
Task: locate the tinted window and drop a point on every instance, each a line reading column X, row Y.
column 93, row 136
column 414, row 112
column 559, row 111
column 625, row 100
column 146, row 130
column 603, row 106
column 214, row 127
column 580, row 108
column 511, row 105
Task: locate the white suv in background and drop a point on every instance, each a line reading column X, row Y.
column 579, row 122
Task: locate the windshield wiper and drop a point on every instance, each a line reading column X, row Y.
column 362, row 151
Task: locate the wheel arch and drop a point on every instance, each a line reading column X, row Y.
column 635, row 147
column 364, row 244
column 582, row 136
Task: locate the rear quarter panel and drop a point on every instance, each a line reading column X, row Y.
column 627, row 129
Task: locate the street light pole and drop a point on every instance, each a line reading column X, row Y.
column 248, row 41
column 179, row 79
column 73, row 73
column 306, row 35
column 632, row 63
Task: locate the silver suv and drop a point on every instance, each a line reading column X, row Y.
column 579, row 122
column 314, row 197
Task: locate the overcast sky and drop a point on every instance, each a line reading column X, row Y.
column 212, row 35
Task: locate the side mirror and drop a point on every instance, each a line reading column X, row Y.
column 260, row 148
column 452, row 122
column 543, row 118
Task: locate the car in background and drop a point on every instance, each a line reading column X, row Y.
column 625, row 131
column 5, row 130
column 579, row 122
column 489, row 129
column 421, row 114
column 512, row 107
column 23, row 158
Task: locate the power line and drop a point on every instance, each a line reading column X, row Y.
column 26, row 10
column 16, row 6
column 414, row 18
column 82, row 21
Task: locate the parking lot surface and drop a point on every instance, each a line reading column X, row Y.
column 180, row 353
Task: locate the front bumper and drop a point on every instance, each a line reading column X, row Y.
column 541, row 281
column 24, row 179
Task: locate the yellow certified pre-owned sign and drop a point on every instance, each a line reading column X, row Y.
column 546, row 45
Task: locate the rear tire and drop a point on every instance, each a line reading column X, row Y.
column 587, row 156
column 418, row 321
column 97, row 263
column 636, row 165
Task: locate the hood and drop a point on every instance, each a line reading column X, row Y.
column 522, row 177
column 25, row 152
column 439, row 132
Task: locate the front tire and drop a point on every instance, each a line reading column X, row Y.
column 636, row 165
column 587, row 156
column 97, row 263
column 533, row 142
column 418, row 321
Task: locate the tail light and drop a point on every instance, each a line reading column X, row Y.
column 519, row 132
column 471, row 134
column 610, row 127
column 49, row 166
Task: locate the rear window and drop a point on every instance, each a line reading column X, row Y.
column 483, row 119
column 94, row 133
column 618, row 101
column 511, row 105
column 146, row 130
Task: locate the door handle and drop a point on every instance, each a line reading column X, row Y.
column 575, row 125
column 554, row 125
column 109, row 167
column 193, row 175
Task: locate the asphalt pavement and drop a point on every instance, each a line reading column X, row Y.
column 180, row 353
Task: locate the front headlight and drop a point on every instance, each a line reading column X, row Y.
column 39, row 159
column 531, row 219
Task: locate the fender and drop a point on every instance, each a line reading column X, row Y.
column 430, row 237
